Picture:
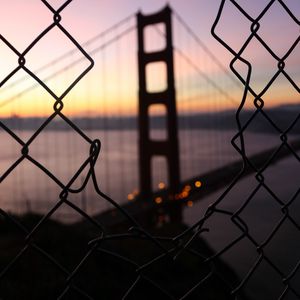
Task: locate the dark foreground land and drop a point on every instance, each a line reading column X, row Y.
column 42, row 265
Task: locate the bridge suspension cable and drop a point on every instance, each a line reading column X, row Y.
column 68, row 54
column 207, row 78
column 206, row 49
column 114, row 39
column 209, row 53
column 118, row 31
column 73, row 51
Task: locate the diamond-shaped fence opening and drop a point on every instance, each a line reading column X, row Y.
column 258, row 56
column 58, row 75
column 270, row 34
column 255, row 211
column 231, row 21
column 61, row 159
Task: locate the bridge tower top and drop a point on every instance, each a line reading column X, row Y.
column 149, row 148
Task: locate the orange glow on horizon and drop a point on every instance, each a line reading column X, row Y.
column 42, row 106
column 111, row 87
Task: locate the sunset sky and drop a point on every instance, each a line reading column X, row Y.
column 111, row 87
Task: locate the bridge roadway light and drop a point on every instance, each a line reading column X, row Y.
column 190, row 203
column 161, row 185
column 130, row 197
column 198, row 184
column 158, row 200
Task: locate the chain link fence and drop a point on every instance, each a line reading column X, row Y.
column 286, row 285
column 94, row 259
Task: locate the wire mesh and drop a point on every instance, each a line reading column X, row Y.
column 42, row 259
column 289, row 289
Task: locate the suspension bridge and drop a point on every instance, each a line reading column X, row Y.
column 156, row 135
column 161, row 119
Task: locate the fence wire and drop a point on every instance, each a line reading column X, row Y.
column 41, row 259
column 290, row 288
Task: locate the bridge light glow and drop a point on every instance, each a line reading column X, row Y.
column 135, row 192
column 161, row 185
column 184, row 194
column 187, row 188
column 190, row 203
column 158, row 200
column 198, row 184
column 130, row 197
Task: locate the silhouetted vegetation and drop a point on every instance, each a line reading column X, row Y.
column 105, row 274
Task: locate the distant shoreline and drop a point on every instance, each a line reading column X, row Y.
column 224, row 120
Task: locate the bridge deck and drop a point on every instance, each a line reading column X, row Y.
column 194, row 189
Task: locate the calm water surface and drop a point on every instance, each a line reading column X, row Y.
column 62, row 152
